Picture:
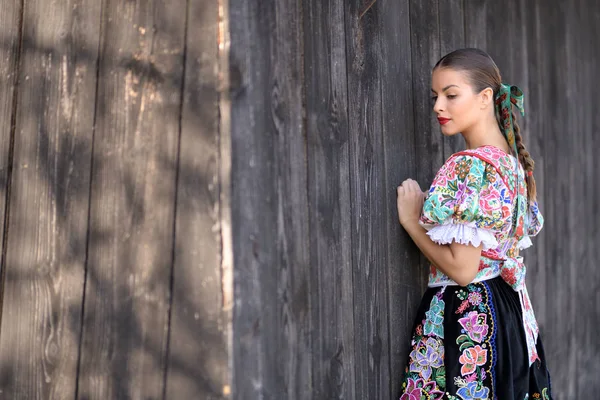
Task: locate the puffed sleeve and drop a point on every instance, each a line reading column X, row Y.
column 467, row 203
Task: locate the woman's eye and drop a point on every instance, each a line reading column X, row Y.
column 451, row 96
column 434, row 98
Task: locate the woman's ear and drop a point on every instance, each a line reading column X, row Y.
column 487, row 97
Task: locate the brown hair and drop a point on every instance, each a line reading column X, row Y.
column 483, row 72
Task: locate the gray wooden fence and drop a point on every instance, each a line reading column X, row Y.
column 103, row 175
column 197, row 197
column 330, row 111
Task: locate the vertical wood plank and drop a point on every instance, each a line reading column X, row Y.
column 252, row 195
column 198, row 363
column 452, row 37
column 367, row 176
column 536, row 256
column 124, row 340
column 589, row 285
column 576, row 121
column 10, row 30
column 46, row 246
column 329, row 196
column 425, row 52
column 554, row 124
column 272, row 356
column 403, row 260
column 475, row 20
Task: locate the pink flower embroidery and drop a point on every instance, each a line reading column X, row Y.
column 415, row 388
column 475, row 298
column 475, row 325
column 471, row 358
column 411, row 394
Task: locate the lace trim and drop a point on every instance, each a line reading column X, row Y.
column 464, row 234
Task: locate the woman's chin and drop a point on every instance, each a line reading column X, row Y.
column 448, row 131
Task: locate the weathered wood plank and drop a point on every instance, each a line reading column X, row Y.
column 46, row 246
column 287, row 283
column 425, row 52
column 10, row 34
column 368, row 204
column 124, row 342
column 577, row 121
column 534, row 103
column 559, row 333
column 475, row 20
column 329, row 194
column 198, row 364
column 452, row 37
column 272, row 356
column 504, row 40
column 588, row 286
column 252, row 212
column 403, row 264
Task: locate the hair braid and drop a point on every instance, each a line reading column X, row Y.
column 526, row 160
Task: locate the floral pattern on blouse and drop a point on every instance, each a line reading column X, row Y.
column 484, row 191
column 477, row 190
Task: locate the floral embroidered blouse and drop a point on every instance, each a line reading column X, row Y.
column 479, row 197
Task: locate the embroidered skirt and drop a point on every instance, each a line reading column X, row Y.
column 469, row 343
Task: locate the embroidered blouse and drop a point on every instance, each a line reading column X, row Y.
column 479, row 197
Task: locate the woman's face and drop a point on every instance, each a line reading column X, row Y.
column 457, row 106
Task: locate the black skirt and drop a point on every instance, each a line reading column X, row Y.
column 469, row 343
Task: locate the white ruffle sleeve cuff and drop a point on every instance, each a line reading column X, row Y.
column 464, row 233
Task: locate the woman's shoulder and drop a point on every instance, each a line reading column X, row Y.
column 488, row 154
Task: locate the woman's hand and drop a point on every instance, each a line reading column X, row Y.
column 410, row 202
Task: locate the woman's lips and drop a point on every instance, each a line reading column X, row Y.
column 443, row 121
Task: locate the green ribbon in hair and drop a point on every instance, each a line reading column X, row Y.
column 507, row 96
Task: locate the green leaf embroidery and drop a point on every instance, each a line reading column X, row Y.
column 462, row 338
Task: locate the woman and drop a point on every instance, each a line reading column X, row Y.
column 475, row 335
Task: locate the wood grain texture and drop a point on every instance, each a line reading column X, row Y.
column 368, row 205
column 124, row 341
column 332, row 320
column 404, row 268
column 536, row 256
column 252, row 196
column 425, row 53
column 577, row 120
column 10, row 33
column 558, row 334
column 43, row 291
column 198, row 364
column 475, row 22
column 329, row 113
column 452, row 37
column 272, row 357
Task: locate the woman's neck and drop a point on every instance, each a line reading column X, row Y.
column 487, row 134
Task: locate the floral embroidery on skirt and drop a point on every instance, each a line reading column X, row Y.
column 464, row 347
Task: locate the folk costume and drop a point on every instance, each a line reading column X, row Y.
column 480, row 341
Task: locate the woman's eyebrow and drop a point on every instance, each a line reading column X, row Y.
column 444, row 89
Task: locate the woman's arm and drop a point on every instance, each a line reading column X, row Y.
column 458, row 261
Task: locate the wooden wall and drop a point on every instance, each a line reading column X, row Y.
column 330, row 111
column 112, row 257
column 141, row 165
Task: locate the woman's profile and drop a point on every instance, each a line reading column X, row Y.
column 475, row 335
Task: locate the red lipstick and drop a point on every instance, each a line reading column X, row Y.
column 443, row 121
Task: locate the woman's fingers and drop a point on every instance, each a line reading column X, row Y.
column 410, row 185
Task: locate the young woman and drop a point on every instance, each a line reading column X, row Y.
column 475, row 335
